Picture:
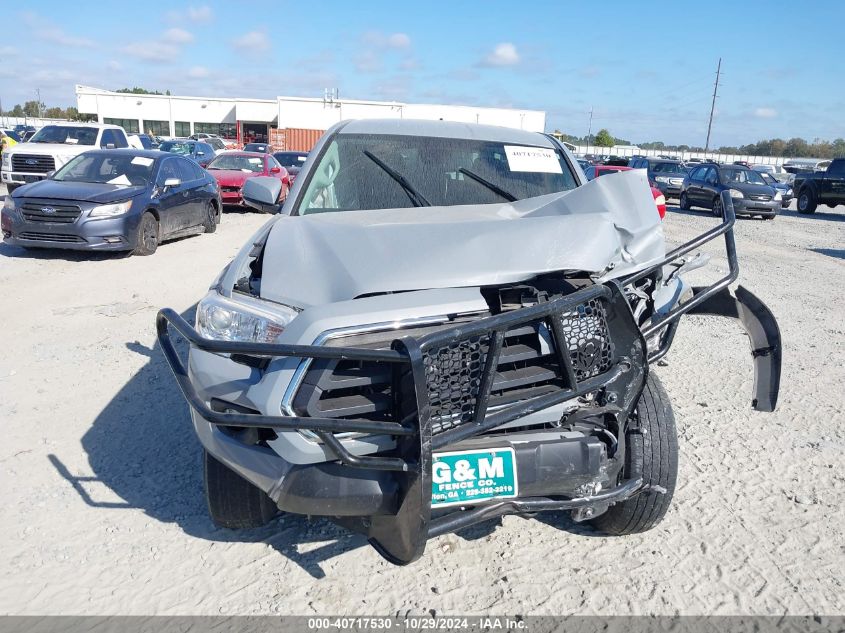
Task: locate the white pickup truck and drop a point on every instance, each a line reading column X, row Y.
column 53, row 146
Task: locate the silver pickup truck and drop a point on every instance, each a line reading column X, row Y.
column 445, row 323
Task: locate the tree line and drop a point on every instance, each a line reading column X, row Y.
column 794, row 147
column 34, row 109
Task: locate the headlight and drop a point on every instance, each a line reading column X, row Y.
column 110, row 210
column 7, row 159
column 736, row 193
column 661, row 178
column 242, row 319
column 789, row 192
column 778, row 196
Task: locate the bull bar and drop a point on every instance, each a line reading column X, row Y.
column 401, row 538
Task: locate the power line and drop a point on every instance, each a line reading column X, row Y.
column 713, row 105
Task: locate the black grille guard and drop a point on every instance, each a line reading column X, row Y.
column 401, row 537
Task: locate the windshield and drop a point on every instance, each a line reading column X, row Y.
column 668, row 168
column 238, row 162
column 741, row 176
column 175, row 147
column 107, row 168
column 65, row 134
column 386, row 172
column 290, row 159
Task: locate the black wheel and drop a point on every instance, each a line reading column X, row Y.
column 212, row 218
column 147, row 238
column 807, row 201
column 717, row 207
column 651, row 452
column 233, row 502
column 684, row 202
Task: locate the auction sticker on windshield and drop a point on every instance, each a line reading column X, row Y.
column 464, row 477
column 534, row 159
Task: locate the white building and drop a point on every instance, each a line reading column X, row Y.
column 290, row 122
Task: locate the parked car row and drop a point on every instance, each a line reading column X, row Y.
column 82, row 186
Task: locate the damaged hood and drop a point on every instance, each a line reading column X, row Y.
column 608, row 227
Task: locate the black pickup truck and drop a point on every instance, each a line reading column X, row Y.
column 824, row 187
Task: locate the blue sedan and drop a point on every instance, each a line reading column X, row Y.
column 114, row 200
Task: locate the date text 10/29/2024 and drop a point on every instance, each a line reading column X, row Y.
column 417, row 623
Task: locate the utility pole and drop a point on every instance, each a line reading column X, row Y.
column 590, row 128
column 38, row 101
column 713, row 105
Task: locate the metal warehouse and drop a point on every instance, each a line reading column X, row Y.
column 287, row 122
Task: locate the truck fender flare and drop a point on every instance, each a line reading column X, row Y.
column 763, row 333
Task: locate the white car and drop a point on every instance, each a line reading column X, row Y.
column 53, row 146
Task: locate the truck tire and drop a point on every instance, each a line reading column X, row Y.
column 146, row 239
column 651, row 453
column 807, row 201
column 233, row 502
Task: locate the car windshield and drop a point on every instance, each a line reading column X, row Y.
column 290, row 159
column 385, row 172
column 65, row 134
column 741, row 176
column 175, row 147
column 238, row 162
column 107, row 168
column 668, row 168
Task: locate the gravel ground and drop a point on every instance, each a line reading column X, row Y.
column 101, row 482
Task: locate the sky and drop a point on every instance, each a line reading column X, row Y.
column 646, row 69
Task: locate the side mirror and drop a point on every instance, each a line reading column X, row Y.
column 275, row 170
column 262, row 193
column 172, row 182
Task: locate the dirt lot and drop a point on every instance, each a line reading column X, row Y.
column 102, row 490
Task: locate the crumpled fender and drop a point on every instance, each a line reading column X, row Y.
column 764, row 334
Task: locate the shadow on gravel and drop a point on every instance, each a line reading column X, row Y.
column 828, row 214
column 7, row 250
column 838, row 253
column 142, row 446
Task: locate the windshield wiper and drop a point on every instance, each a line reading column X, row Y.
column 417, row 199
column 492, row 187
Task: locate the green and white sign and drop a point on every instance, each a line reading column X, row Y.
column 466, row 477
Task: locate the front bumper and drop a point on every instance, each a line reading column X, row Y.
column 233, row 198
column 20, row 178
column 746, row 206
column 107, row 234
column 388, row 496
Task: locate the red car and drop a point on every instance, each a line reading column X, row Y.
column 231, row 169
column 602, row 170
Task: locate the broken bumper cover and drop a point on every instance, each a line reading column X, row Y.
column 441, row 388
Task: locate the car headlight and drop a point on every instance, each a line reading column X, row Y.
column 789, row 192
column 110, row 210
column 736, row 193
column 242, row 319
column 661, row 179
column 7, row 159
column 778, row 196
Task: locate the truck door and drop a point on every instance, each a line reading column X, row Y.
column 832, row 183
